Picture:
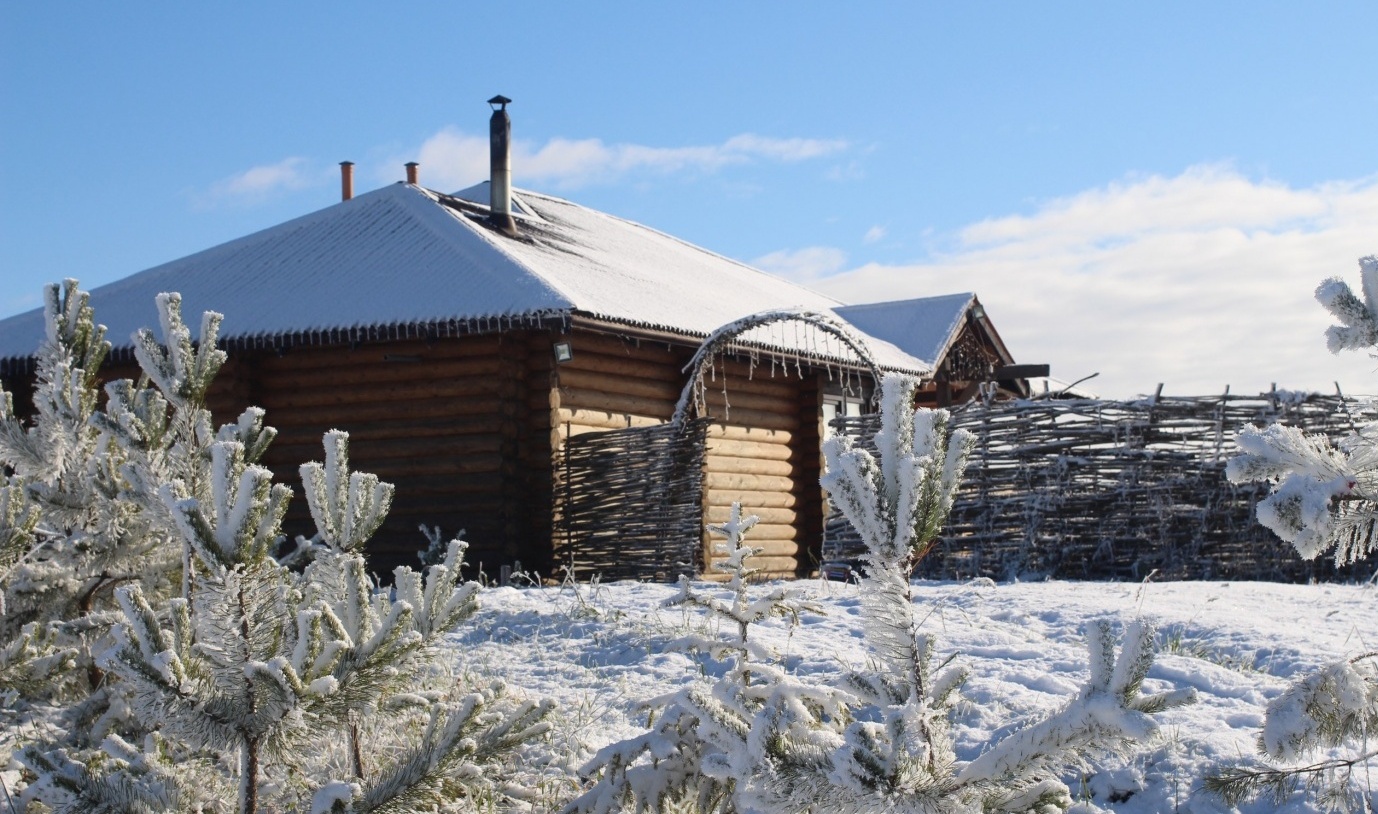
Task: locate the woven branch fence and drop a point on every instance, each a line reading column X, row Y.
column 1114, row 490
column 629, row 503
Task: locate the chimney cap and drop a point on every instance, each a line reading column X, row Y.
column 500, row 100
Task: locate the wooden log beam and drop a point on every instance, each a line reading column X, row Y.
column 661, row 369
column 721, row 514
column 605, row 420
column 361, row 451
column 371, row 373
column 437, row 427
column 751, row 500
column 760, row 450
column 734, row 432
column 348, row 415
column 306, row 358
column 748, row 466
column 772, row 566
column 620, row 383
column 576, row 398
column 727, row 482
column 281, row 394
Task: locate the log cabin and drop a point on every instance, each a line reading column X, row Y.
column 467, row 342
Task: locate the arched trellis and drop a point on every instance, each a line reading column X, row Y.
column 724, row 337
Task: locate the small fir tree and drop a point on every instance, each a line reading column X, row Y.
column 284, row 690
column 763, row 741
column 1324, row 499
column 686, row 760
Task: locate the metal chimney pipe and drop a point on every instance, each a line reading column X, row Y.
column 500, row 167
column 411, row 172
column 346, row 180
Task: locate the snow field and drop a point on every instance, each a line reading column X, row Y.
column 597, row 651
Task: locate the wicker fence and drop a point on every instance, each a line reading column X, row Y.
column 1100, row 490
column 630, row 502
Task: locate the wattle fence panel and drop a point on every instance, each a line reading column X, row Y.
column 1114, row 490
column 629, row 503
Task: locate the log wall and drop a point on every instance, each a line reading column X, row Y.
column 461, row 427
column 762, row 445
column 450, row 422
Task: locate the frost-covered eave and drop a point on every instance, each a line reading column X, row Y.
column 558, row 319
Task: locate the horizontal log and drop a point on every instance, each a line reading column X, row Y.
column 401, row 427
column 732, row 432
column 389, row 468
column 605, row 419
column 623, row 384
column 612, row 345
column 767, row 531
column 363, row 451
column 397, row 394
column 778, row 388
column 751, row 500
column 737, row 400
column 316, row 357
column 775, row 548
column 368, row 373
column 418, row 484
column 346, row 416
column 758, row 450
column 721, row 514
column 770, row 567
column 662, row 369
column 594, row 400
column 743, row 417
column 747, row 466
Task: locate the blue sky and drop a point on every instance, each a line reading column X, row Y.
column 1146, row 191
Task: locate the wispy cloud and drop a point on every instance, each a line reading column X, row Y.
column 453, row 158
column 262, row 182
column 805, row 264
column 874, row 235
column 1197, row 281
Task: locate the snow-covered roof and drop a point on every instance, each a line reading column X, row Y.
column 924, row 328
column 401, row 258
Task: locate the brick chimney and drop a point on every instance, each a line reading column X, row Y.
column 346, row 180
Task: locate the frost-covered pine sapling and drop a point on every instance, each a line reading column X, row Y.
column 48, row 459
column 1324, row 498
column 263, row 680
column 895, row 753
column 94, row 474
column 698, row 746
column 58, row 442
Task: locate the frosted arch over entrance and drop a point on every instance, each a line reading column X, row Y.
column 691, row 397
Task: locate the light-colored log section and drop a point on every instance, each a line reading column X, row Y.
column 721, row 514
column 750, row 466
column 749, row 449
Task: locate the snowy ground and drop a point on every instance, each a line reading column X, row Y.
column 597, row 650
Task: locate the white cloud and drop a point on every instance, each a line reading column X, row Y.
column 258, row 183
column 874, row 235
column 452, row 159
column 1197, row 281
column 803, row 265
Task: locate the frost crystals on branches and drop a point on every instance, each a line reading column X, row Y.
column 1324, row 498
column 761, row 740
